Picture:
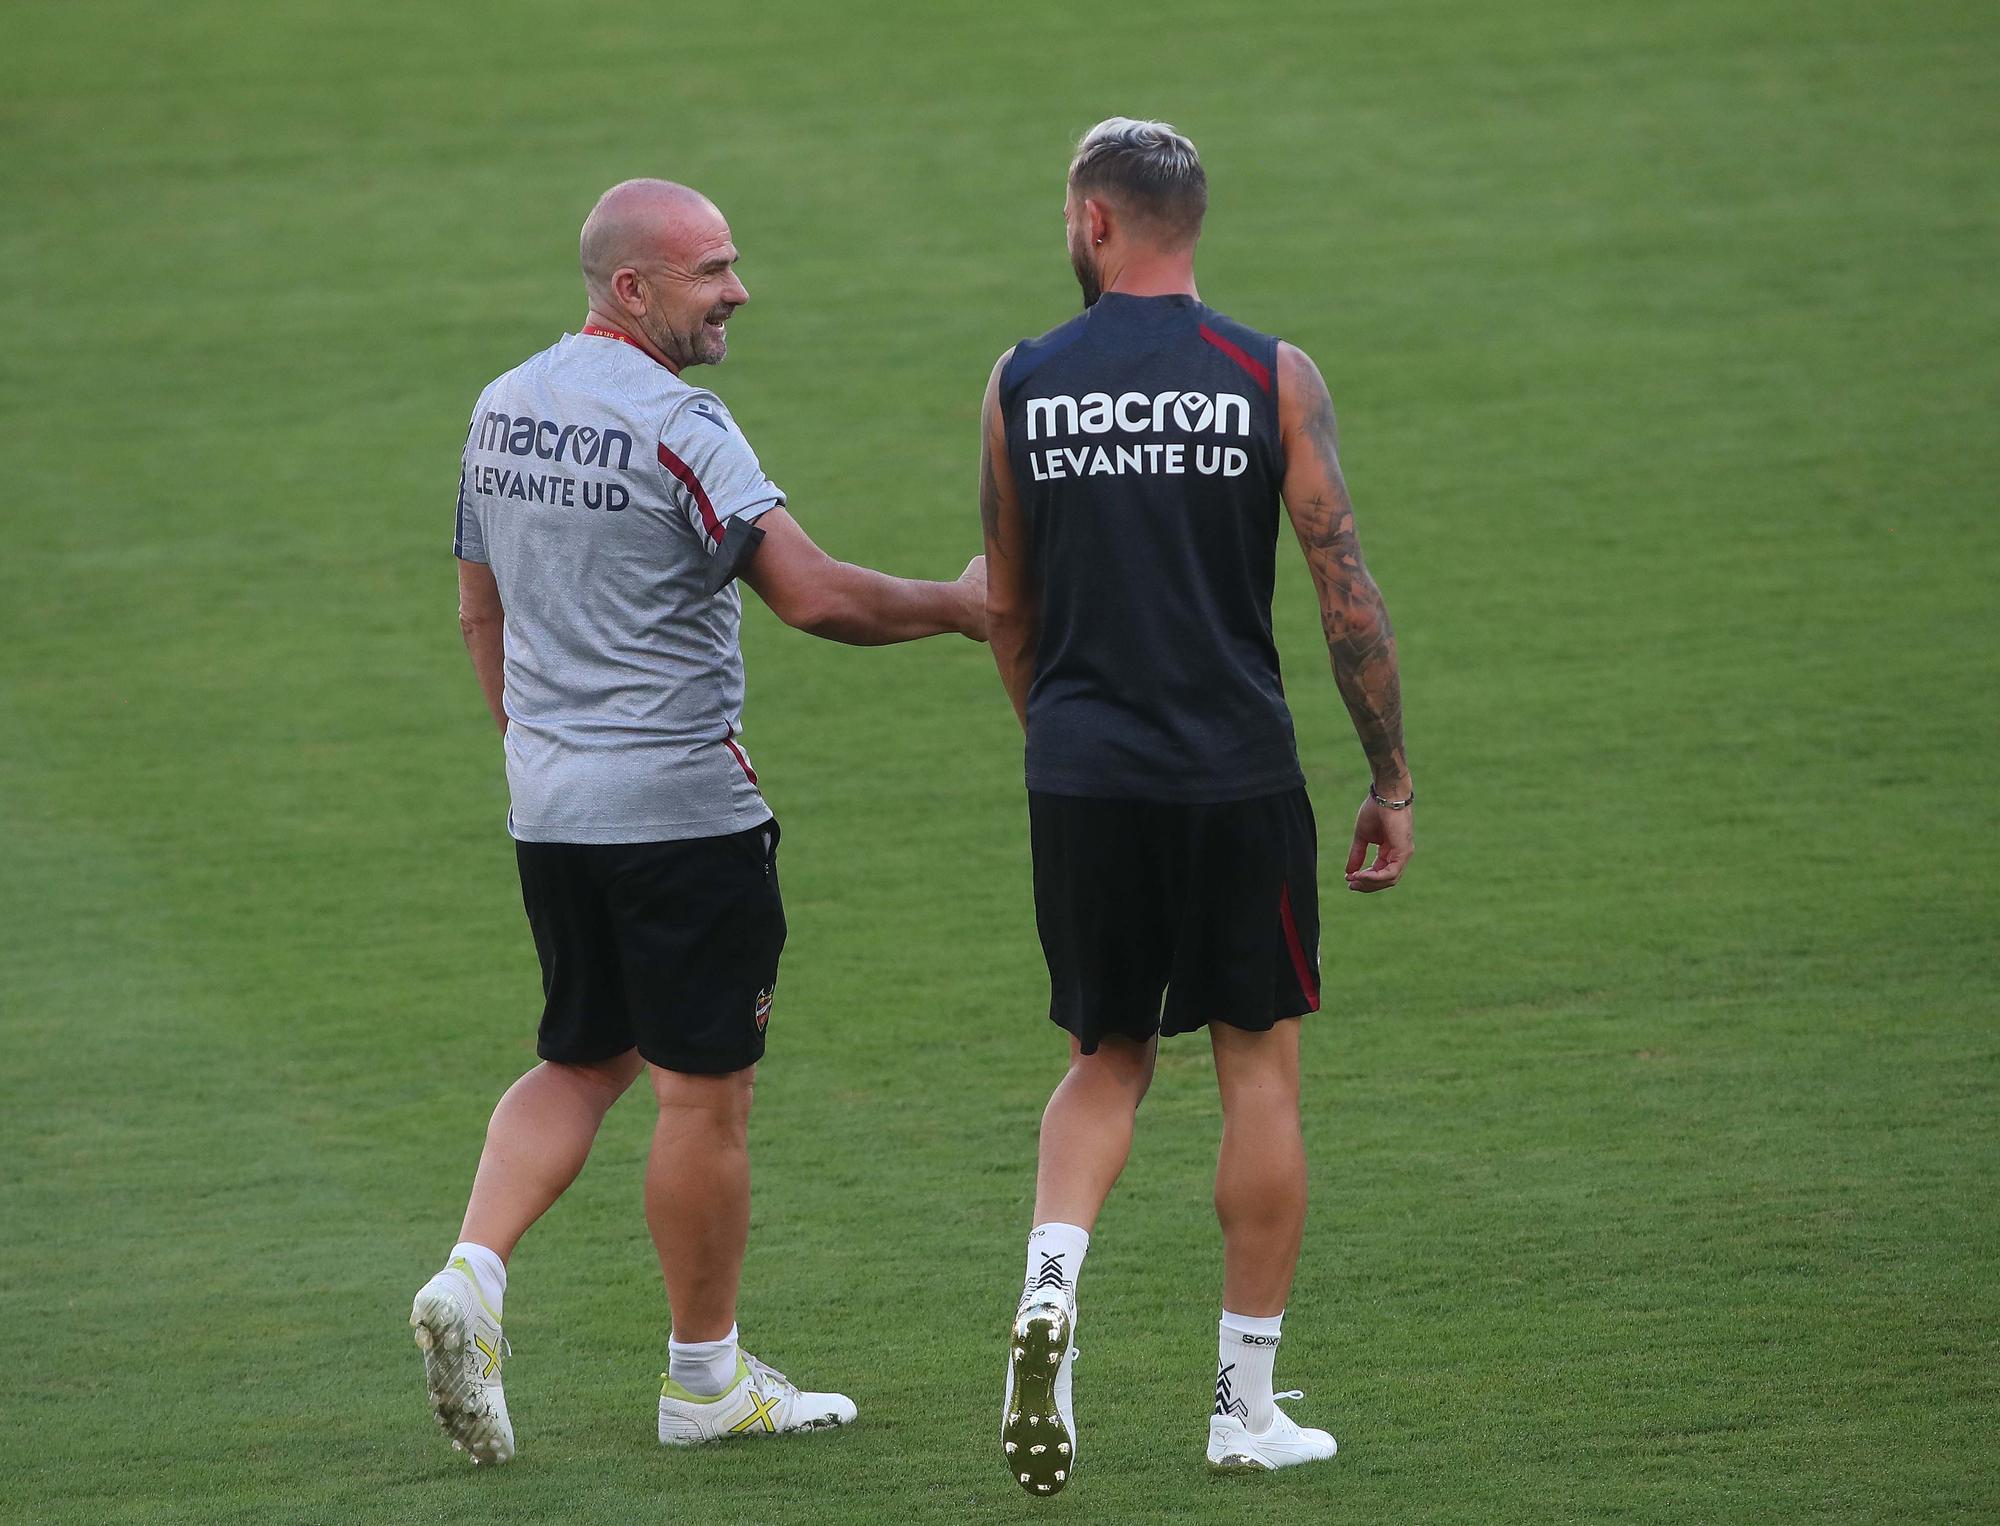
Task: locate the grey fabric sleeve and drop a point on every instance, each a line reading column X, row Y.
column 468, row 541
column 468, row 537
column 717, row 481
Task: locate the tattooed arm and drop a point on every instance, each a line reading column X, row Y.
column 1359, row 638
column 1012, row 605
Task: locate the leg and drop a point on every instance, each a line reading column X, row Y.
column 1107, row 939
column 698, row 1208
column 536, row 1144
column 1260, row 1196
column 1087, row 1129
column 698, row 1195
column 1086, row 1136
column 1260, row 1179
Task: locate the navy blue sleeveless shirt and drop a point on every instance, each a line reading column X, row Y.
column 1144, row 440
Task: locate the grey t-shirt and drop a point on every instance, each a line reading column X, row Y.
column 614, row 502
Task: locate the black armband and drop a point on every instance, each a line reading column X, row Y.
column 740, row 540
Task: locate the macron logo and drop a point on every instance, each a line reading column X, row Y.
column 1225, row 413
column 1192, row 412
column 704, row 411
column 553, row 441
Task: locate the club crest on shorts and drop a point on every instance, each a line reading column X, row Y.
column 764, row 999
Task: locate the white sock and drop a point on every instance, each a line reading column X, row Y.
column 1246, row 1350
column 1055, row 1257
column 704, row 1368
column 488, row 1270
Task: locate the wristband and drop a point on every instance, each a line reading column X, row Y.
column 1393, row 805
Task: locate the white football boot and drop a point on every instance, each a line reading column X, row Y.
column 761, row 1402
column 1038, row 1420
column 462, row 1345
column 1283, row 1444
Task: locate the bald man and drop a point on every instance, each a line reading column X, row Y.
column 606, row 509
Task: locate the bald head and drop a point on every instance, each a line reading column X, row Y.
column 636, row 223
column 659, row 265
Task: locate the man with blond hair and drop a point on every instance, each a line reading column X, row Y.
column 1132, row 465
column 606, row 508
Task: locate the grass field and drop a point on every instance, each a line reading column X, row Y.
column 1655, row 1121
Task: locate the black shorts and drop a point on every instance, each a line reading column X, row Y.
column 1214, row 906
column 669, row 947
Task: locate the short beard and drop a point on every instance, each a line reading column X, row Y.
column 1086, row 272
column 695, row 349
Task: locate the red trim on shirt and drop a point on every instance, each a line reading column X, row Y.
column 742, row 762
column 1259, row 372
column 684, row 474
column 1301, row 966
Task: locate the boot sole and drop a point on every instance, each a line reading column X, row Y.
column 455, row 1402
column 1036, row 1444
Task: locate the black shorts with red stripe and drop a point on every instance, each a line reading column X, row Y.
column 1159, row 918
column 671, row 948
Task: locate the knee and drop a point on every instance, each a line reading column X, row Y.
column 610, row 1077
column 1119, row 1065
column 724, row 1099
column 1138, row 1083
column 1135, row 1062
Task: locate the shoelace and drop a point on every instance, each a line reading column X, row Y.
column 771, row 1375
column 506, row 1346
column 1290, row 1393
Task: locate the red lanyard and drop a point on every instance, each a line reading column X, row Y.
column 602, row 333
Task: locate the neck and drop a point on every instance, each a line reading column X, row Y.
column 1153, row 275
column 597, row 319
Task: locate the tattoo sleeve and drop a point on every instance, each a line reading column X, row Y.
column 1359, row 638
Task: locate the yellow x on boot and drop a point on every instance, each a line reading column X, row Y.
column 761, row 1402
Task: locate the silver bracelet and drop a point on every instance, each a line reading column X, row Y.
column 1393, row 805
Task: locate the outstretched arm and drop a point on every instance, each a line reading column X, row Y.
column 1011, row 603
column 810, row 591
column 1359, row 638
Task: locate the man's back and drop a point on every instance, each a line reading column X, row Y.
column 600, row 488
column 1132, row 465
column 1144, row 441
column 604, row 509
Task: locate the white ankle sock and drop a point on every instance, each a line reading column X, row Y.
column 1246, row 1350
column 703, row 1368
column 1055, row 1257
column 488, row 1270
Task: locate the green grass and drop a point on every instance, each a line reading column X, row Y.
column 1654, row 1121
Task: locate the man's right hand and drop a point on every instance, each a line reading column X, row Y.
column 972, row 593
column 810, row 591
column 1393, row 836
